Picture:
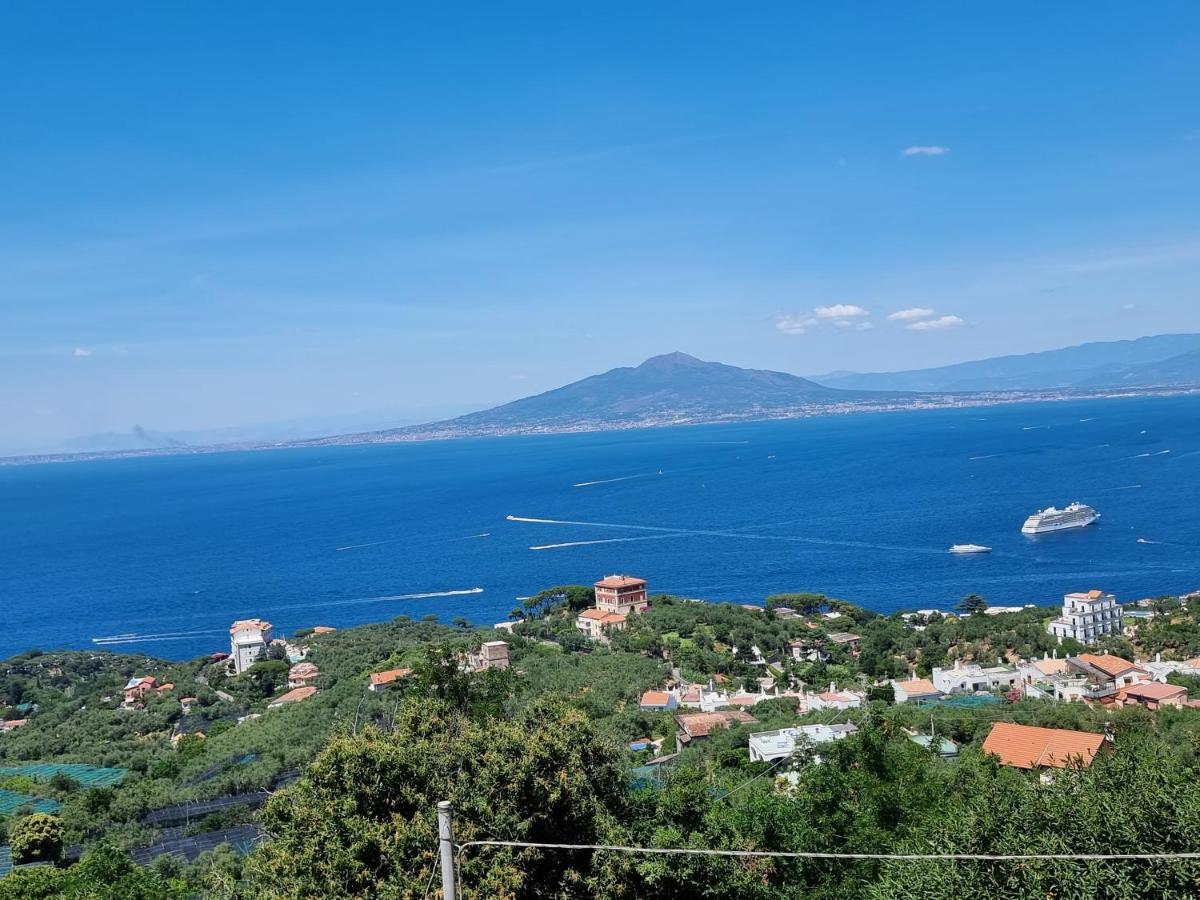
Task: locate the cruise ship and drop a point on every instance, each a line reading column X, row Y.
column 1077, row 515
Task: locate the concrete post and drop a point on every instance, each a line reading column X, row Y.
column 446, row 848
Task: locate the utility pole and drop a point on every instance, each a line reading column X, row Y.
column 446, row 848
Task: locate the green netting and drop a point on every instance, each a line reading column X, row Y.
column 11, row 801
column 5, row 861
column 87, row 776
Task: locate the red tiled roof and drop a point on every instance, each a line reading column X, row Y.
column 744, row 699
column 12, row 723
column 378, row 678
column 260, row 624
column 917, row 687
column 323, row 629
column 294, row 696
column 303, row 670
column 655, row 698
column 1108, row 664
column 1027, row 747
column 605, row 618
column 704, row 724
column 620, row 581
column 1154, row 691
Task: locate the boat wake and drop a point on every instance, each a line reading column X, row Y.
column 1144, row 455
column 613, row 480
column 134, row 637
column 1145, row 541
column 646, row 537
column 371, row 544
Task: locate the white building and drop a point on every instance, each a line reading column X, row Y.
column 970, row 677
column 1086, row 617
column 248, row 642
column 768, row 746
column 835, row 699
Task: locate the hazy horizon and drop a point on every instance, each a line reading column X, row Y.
column 217, row 218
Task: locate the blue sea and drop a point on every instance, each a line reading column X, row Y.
column 159, row 555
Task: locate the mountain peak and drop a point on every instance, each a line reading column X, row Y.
column 675, row 360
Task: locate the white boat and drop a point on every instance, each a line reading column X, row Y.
column 970, row 548
column 1077, row 515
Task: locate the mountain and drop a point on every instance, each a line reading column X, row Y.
column 674, row 387
column 1090, row 366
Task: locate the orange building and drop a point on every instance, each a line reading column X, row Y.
column 621, row 594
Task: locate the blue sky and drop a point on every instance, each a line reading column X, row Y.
column 225, row 213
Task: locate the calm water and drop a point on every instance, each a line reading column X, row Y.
column 166, row 552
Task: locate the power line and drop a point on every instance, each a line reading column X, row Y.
column 818, row 854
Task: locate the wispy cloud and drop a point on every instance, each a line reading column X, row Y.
column 840, row 311
column 80, row 352
column 916, row 312
column 938, row 324
column 792, row 323
column 925, row 150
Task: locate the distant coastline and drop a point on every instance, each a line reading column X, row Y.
column 454, row 430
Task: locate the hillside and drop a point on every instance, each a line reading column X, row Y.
column 1133, row 363
column 674, row 387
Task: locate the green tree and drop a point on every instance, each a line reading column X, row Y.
column 37, row 838
column 361, row 823
column 972, row 604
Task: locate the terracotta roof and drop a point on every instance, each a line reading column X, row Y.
column 1192, row 663
column 620, row 581
column 917, row 687
column 303, row 670
column 12, row 723
column 163, row 688
column 1027, row 747
column 605, row 618
column 655, row 698
column 844, row 637
column 294, row 696
column 704, row 724
column 323, row 629
column 837, row 697
column 692, row 694
column 1108, row 664
column 1050, row 666
column 744, row 699
column 260, row 624
column 378, row 678
column 1154, row 691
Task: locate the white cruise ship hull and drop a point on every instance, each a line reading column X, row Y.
column 1035, row 527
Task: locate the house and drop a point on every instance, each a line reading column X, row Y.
column 187, row 704
column 164, row 688
column 943, row 747
column 768, row 746
column 742, row 700
column 915, row 690
column 621, row 594
column 594, row 623
column 293, row 696
column 1036, row 670
column 1087, row 616
column 248, row 642
column 13, row 724
column 807, row 650
column 1152, row 695
column 137, row 688
column 658, row 701
column 380, row 680
column 967, row 678
column 834, row 699
column 852, row 642
column 701, row 725
column 301, row 674
column 323, row 629
column 1028, row 747
column 490, row 655
column 1105, row 673
column 785, row 612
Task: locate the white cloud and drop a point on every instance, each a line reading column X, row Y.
column 1129, row 306
column 925, row 150
column 794, row 324
column 81, row 352
column 840, row 311
column 916, row 312
column 937, row 324
column 864, row 326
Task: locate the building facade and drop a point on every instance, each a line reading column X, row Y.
column 621, row 594
column 1086, row 617
column 248, row 642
